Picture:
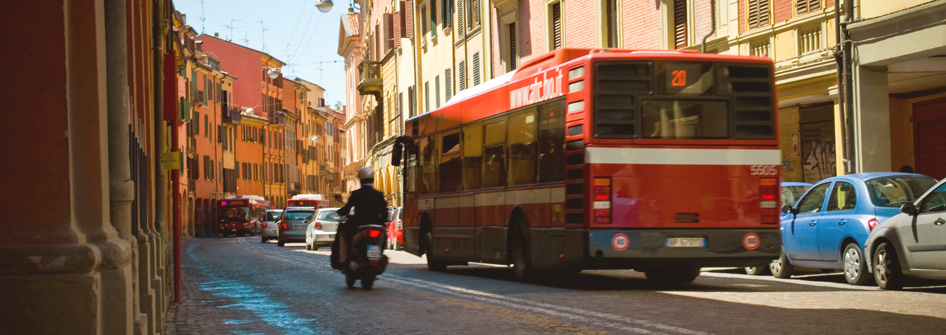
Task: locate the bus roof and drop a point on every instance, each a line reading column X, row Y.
column 308, row 196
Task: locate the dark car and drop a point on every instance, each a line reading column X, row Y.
column 912, row 243
column 292, row 224
column 828, row 226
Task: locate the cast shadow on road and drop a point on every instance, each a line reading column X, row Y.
column 605, row 280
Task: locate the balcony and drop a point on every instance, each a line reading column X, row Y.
column 370, row 73
column 277, row 117
column 232, row 116
column 325, row 169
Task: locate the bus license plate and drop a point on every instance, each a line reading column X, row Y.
column 685, row 242
column 374, row 252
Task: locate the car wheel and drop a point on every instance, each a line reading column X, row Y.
column 887, row 272
column 308, row 246
column 757, row 270
column 672, row 275
column 280, row 243
column 367, row 282
column 855, row 268
column 781, row 267
column 262, row 239
column 433, row 264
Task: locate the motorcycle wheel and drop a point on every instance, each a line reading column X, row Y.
column 350, row 280
column 367, row 283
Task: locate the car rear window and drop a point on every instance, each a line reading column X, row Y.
column 897, row 190
column 298, row 215
column 328, row 216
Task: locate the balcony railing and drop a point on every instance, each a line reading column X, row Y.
column 232, row 116
column 277, row 117
column 370, row 72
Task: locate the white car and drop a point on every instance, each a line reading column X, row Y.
column 321, row 231
column 912, row 243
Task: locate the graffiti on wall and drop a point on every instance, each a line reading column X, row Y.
column 819, row 161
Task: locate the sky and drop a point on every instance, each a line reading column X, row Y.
column 293, row 31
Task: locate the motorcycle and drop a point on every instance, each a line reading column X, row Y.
column 366, row 259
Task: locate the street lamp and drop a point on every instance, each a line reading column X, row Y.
column 273, row 73
column 324, row 6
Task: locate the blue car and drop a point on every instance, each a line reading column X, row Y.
column 827, row 227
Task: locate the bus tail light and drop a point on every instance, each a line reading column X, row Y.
column 602, row 200
column 872, row 223
column 768, row 200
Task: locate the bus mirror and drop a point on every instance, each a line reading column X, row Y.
column 397, row 151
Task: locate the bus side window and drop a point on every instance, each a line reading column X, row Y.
column 552, row 141
column 494, row 154
column 450, row 166
column 472, row 156
column 521, row 142
column 411, row 176
column 428, row 166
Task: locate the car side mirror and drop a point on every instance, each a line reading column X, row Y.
column 909, row 209
column 305, row 221
column 786, row 208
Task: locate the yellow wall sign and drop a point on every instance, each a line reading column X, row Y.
column 171, row 161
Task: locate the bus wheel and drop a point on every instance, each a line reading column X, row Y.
column 673, row 275
column 433, row 264
column 520, row 258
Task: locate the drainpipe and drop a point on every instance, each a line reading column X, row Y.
column 846, row 88
column 712, row 24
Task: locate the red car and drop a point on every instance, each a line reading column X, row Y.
column 395, row 228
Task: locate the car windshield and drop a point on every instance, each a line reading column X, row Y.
column 896, row 191
column 273, row 215
column 298, row 215
column 790, row 194
column 329, row 216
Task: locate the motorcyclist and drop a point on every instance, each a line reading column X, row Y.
column 370, row 208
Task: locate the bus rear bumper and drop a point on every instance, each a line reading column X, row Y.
column 638, row 248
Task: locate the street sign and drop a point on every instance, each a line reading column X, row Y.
column 171, row 161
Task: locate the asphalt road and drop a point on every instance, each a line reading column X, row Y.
column 239, row 286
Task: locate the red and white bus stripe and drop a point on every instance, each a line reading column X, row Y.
column 655, row 156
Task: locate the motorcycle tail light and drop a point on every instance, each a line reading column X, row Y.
column 374, row 233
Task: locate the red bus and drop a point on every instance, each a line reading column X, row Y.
column 307, row 200
column 663, row 162
column 241, row 214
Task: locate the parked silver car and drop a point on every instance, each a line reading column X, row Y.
column 268, row 230
column 321, row 231
column 292, row 224
column 912, row 243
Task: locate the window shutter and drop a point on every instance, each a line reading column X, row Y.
column 476, row 13
column 513, row 56
column 556, row 25
column 407, row 18
column 388, row 32
column 805, row 6
column 460, row 18
column 448, row 84
column 476, row 69
column 469, row 14
column 398, row 28
column 758, row 13
column 462, row 75
column 679, row 23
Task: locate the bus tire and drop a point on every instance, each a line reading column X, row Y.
column 433, row 264
column 521, row 268
column 673, row 275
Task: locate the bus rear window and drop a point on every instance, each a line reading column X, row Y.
column 684, row 119
column 679, row 100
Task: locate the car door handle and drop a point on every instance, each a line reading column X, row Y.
column 842, row 222
column 939, row 221
column 813, row 223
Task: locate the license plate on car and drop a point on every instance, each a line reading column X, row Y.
column 686, row 242
column 233, row 229
column 374, row 252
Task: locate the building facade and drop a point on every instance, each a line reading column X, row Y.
column 350, row 48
